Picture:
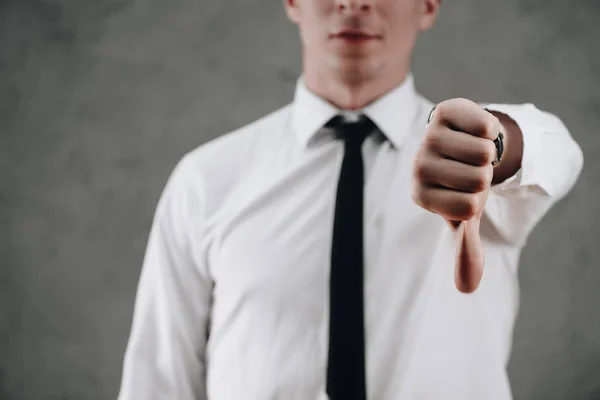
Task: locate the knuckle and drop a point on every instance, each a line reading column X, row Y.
column 490, row 126
column 482, row 179
column 463, row 101
column 489, row 152
column 489, row 169
column 432, row 140
column 418, row 195
column 442, row 110
column 420, row 168
column 484, row 153
column 478, row 184
column 470, row 207
column 415, row 195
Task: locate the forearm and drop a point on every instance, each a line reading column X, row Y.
column 550, row 163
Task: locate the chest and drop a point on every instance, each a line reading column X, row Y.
column 274, row 238
column 269, row 257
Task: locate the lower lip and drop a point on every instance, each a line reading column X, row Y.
column 355, row 39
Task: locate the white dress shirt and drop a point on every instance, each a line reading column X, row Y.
column 232, row 301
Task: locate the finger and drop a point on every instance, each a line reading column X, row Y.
column 466, row 116
column 451, row 174
column 449, row 204
column 470, row 259
column 461, row 146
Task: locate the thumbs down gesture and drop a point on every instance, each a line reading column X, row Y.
column 452, row 175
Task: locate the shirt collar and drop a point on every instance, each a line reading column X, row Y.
column 393, row 113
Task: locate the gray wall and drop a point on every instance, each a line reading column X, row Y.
column 99, row 99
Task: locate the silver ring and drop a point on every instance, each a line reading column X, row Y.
column 430, row 115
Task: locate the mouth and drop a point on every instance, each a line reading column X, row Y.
column 355, row 36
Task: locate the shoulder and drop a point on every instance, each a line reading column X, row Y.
column 207, row 173
column 241, row 142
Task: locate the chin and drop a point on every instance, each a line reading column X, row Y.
column 356, row 70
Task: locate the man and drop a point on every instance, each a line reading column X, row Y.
column 335, row 248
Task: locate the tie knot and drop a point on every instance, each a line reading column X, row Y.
column 352, row 131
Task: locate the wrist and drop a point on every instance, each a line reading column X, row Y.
column 513, row 148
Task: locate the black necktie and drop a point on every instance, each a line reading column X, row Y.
column 346, row 364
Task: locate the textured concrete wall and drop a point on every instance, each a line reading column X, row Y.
column 99, row 99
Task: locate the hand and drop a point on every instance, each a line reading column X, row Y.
column 453, row 173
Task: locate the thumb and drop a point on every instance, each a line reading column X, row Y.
column 470, row 259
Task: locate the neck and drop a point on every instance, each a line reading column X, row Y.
column 349, row 91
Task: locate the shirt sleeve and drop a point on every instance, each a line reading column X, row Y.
column 165, row 353
column 552, row 162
